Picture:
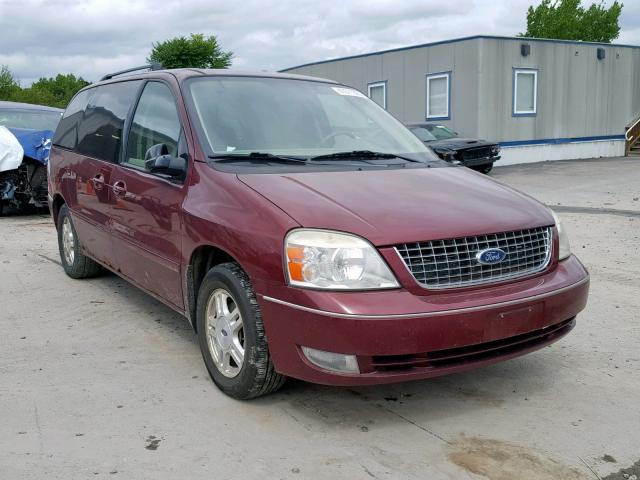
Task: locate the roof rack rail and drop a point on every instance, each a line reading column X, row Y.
column 150, row 66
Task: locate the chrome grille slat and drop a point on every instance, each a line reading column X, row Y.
column 452, row 262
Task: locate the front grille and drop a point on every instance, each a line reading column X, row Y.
column 453, row 263
column 453, row 357
column 473, row 153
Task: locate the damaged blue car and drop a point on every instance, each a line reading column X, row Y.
column 25, row 140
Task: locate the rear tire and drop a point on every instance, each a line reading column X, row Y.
column 75, row 264
column 231, row 335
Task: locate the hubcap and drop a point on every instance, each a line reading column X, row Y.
column 68, row 242
column 225, row 333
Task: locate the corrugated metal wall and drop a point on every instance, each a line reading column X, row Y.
column 578, row 95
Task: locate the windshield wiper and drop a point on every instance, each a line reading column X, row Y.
column 353, row 154
column 363, row 154
column 255, row 155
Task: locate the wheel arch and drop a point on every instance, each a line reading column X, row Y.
column 202, row 259
column 56, row 205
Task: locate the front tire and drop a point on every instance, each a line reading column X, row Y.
column 486, row 168
column 231, row 335
column 75, row 264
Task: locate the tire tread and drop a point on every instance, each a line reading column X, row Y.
column 83, row 266
column 267, row 379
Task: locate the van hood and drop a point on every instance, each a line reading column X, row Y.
column 403, row 205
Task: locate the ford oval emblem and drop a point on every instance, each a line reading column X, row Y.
column 491, row 256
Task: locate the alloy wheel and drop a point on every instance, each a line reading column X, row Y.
column 225, row 333
column 68, row 242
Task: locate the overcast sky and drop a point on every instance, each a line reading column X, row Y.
column 90, row 38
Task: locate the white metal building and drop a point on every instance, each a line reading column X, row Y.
column 541, row 99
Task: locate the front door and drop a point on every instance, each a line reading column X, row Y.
column 146, row 218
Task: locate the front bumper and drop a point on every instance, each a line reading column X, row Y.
column 430, row 335
column 472, row 162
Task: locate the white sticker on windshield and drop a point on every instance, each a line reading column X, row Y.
column 349, row 92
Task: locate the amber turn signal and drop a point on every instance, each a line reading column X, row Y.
column 295, row 257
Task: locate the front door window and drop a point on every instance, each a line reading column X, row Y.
column 156, row 122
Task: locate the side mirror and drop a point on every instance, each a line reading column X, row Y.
column 156, row 150
column 158, row 160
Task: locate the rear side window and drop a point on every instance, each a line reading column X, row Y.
column 155, row 122
column 100, row 131
column 66, row 135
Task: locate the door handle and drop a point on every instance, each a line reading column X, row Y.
column 119, row 188
column 98, row 181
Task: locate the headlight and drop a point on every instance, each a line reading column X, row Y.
column 495, row 150
column 564, row 249
column 446, row 154
column 334, row 261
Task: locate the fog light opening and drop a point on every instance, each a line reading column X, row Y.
column 336, row 362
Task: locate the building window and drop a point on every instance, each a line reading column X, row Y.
column 438, row 96
column 525, row 92
column 378, row 93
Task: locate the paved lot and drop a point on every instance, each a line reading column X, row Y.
column 98, row 380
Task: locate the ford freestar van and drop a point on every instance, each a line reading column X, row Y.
column 303, row 231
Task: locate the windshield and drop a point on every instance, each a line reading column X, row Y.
column 429, row 133
column 30, row 119
column 293, row 117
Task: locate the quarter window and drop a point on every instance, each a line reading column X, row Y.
column 525, row 92
column 378, row 93
column 155, row 122
column 100, row 131
column 438, row 96
column 66, row 135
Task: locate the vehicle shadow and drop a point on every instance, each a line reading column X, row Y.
column 8, row 211
column 497, row 388
column 149, row 313
column 493, row 388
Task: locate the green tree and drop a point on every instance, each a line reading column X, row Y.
column 57, row 91
column 569, row 20
column 197, row 51
column 54, row 92
column 36, row 97
column 9, row 85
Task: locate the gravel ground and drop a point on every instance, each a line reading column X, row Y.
column 98, row 380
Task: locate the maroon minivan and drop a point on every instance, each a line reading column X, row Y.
column 304, row 231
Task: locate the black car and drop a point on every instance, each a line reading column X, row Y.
column 476, row 154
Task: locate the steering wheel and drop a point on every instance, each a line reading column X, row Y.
column 333, row 135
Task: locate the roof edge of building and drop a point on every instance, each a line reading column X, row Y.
column 457, row 40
